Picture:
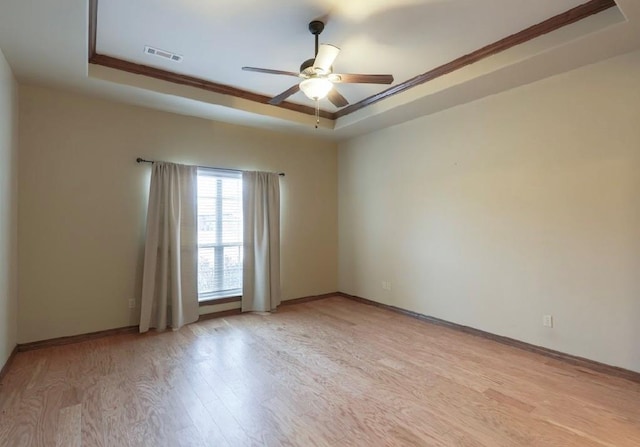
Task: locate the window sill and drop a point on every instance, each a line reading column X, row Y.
column 229, row 299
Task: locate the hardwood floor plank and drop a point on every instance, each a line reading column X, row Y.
column 501, row 398
column 92, row 428
column 69, row 432
column 332, row 372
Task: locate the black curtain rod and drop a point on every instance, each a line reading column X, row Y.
column 142, row 160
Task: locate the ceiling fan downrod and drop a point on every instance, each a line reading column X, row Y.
column 316, row 27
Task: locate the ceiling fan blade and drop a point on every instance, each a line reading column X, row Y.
column 284, row 95
column 362, row 78
column 325, row 57
column 269, row 71
column 336, row 98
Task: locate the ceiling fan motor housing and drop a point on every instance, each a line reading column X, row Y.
column 307, row 67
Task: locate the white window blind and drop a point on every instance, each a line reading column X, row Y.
column 219, row 234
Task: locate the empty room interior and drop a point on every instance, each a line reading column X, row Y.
column 320, row 223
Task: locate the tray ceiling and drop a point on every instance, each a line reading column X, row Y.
column 216, row 39
column 49, row 43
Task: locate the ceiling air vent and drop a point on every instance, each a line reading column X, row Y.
column 163, row 54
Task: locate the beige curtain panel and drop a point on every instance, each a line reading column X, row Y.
column 261, row 239
column 169, row 285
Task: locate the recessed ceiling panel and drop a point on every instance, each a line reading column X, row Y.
column 216, row 38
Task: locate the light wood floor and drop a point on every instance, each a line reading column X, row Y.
column 326, row 373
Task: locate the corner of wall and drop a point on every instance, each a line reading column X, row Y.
column 8, row 211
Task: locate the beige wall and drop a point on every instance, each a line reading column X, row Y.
column 8, row 211
column 83, row 204
column 496, row 212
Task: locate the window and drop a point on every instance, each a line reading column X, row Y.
column 219, row 234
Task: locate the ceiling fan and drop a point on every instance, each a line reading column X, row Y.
column 318, row 76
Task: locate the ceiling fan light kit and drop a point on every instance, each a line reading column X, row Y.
column 318, row 77
column 316, row 88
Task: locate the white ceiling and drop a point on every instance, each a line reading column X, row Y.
column 403, row 38
column 46, row 42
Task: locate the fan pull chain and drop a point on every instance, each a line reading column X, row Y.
column 317, row 112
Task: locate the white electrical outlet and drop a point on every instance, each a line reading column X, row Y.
column 132, row 303
column 547, row 321
column 386, row 285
